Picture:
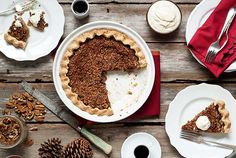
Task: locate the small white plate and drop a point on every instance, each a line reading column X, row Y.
column 118, row 84
column 141, row 138
column 198, row 17
column 189, row 102
column 39, row 43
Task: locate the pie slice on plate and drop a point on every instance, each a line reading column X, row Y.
column 87, row 60
column 37, row 20
column 214, row 119
column 18, row 33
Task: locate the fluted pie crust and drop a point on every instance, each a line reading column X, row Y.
column 75, row 44
column 224, row 119
column 11, row 39
column 225, row 115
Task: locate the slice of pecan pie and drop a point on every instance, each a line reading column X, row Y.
column 37, row 20
column 214, row 119
column 18, row 33
column 87, row 60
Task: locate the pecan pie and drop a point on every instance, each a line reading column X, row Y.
column 37, row 20
column 18, row 33
column 214, row 119
column 87, row 60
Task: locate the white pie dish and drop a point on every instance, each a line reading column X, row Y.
column 123, row 105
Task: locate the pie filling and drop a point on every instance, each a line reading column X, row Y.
column 37, row 20
column 89, row 64
column 20, row 33
column 214, row 116
column 213, row 119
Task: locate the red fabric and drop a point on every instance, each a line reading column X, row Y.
column 151, row 107
column 209, row 33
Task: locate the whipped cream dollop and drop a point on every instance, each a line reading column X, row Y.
column 203, row 123
column 18, row 23
column 18, row 8
column 35, row 17
column 164, row 16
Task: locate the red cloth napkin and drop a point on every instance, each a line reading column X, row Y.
column 151, row 107
column 209, row 33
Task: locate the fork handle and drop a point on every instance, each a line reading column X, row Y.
column 6, row 11
column 228, row 21
column 221, row 144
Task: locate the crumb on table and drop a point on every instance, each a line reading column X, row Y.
column 130, row 92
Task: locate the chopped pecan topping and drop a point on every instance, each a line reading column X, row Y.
column 20, row 33
column 9, row 130
column 26, row 106
column 213, row 115
column 41, row 23
column 89, row 64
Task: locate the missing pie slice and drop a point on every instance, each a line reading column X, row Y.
column 37, row 20
column 214, row 119
column 87, row 60
column 18, row 33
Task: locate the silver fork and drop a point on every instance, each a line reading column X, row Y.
column 198, row 138
column 26, row 5
column 215, row 46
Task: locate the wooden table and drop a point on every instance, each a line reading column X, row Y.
column 178, row 70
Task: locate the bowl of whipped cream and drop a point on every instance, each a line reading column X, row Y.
column 164, row 16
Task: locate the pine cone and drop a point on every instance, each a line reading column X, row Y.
column 79, row 148
column 51, row 149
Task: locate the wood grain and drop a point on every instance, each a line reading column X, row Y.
column 113, row 135
column 130, row 1
column 177, row 65
column 131, row 15
column 178, row 70
column 168, row 92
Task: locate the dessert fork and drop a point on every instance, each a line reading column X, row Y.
column 198, row 138
column 25, row 5
column 215, row 46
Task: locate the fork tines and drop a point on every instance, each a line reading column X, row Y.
column 29, row 4
column 210, row 56
column 189, row 135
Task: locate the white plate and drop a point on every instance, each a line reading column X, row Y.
column 198, row 17
column 185, row 106
column 39, row 43
column 123, row 104
column 141, row 138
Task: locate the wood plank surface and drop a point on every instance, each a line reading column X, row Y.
column 177, row 65
column 178, row 70
column 168, row 92
column 131, row 1
column 113, row 135
column 131, row 15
